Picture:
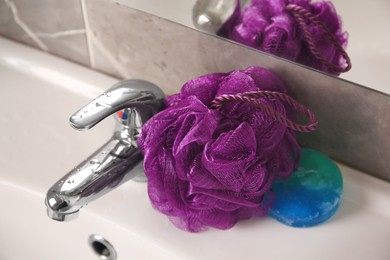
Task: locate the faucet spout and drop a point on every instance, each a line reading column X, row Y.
column 113, row 163
column 140, row 95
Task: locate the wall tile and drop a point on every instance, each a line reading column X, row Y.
column 53, row 26
column 128, row 43
column 118, row 35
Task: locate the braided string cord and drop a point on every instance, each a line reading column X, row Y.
column 300, row 14
column 252, row 98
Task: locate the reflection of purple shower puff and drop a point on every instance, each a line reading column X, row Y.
column 267, row 26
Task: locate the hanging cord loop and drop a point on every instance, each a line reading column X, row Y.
column 253, row 99
column 302, row 15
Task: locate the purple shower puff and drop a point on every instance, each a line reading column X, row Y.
column 209, row 167
column 267, row 26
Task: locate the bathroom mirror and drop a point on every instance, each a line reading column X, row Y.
column 366, row 23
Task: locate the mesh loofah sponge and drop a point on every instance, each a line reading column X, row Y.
column 214, row 167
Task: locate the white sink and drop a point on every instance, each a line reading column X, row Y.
column 39, row 92
column 27, row 233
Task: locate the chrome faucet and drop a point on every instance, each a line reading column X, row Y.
column 111, row 165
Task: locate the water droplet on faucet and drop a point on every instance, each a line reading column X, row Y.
column 94, row 161
column 77, row 116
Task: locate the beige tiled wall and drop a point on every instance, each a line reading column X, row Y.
column 108, row 37
column 53, row 26
column 120, row 41
column 116, row 40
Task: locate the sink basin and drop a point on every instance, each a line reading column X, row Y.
column 27, row 233
column 37, row 146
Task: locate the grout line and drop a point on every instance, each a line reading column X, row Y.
column 92, row 42
column 119, row 68
column 88, row 35
column 61, row 33
column 24, row 26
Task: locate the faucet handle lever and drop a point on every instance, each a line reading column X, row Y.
column 137, row 94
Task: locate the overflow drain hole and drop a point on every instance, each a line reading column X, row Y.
column 102, row 247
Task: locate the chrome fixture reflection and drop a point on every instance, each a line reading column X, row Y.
column 111, row 165
column 210, row 15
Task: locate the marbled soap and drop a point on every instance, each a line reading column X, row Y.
column 311, row 195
